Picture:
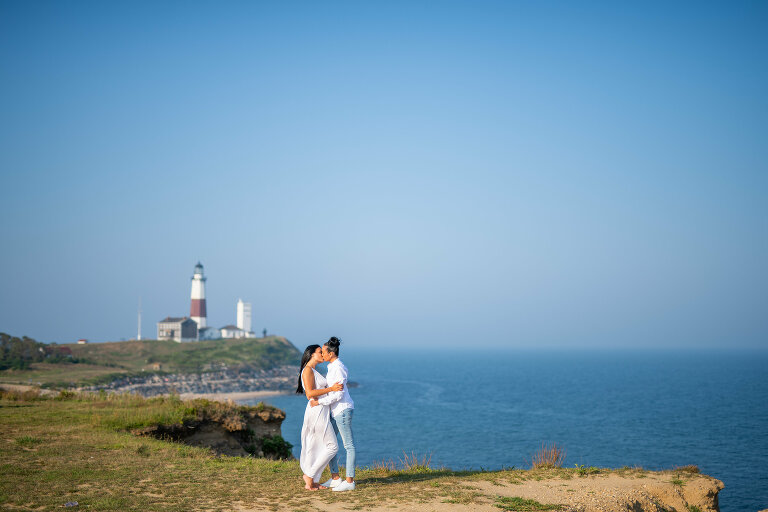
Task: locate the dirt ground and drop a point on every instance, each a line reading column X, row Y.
column 600, row 493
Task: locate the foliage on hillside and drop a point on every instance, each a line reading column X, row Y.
column 26, row 360
column 247, row 353
column 19, row 353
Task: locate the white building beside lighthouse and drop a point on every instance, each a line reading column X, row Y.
column 243, row 327
column 197, row 310
column 243, row 315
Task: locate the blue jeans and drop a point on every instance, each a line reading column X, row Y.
column 342, row 424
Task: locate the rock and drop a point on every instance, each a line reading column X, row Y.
column 218, row 439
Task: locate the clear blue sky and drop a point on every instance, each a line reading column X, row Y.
column 517, row 174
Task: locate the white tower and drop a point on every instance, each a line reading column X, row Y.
column 197, row 310
column 244, row 315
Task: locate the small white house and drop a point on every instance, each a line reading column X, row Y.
column 233, row 331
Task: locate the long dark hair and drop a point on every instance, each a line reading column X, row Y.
column 304, row 360
column 333, row 345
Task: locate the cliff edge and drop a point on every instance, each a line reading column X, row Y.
column 227, row 429
column 613, row 492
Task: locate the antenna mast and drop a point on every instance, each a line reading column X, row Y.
column 138, row 336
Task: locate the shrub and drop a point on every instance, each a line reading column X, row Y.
column 384, row 465
column 276, row 447
column 413, row 464
column 65, row 395
column 548, row 457
column 583, row 470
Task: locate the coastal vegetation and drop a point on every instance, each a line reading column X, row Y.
column 20, row 353
column 548, row 456
column 523, row 505
column 88, row 448
column 25, row 360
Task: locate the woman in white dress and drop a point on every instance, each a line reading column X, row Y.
column 318, row 440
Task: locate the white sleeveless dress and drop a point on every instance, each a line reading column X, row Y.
column 318, row 440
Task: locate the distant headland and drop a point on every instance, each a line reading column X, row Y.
column 153, row 367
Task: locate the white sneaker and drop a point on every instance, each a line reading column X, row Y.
column 344, row 486
column 332, row 483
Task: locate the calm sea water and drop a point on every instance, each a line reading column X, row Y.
column 608, row 409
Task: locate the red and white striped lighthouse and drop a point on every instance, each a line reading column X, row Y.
column 197, row 310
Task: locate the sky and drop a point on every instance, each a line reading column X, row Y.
column 464, row 174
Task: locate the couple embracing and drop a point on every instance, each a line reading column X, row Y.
column 328, row 414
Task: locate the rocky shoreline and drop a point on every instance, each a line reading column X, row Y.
column 278, row 379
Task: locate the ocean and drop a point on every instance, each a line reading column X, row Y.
column 481, row 409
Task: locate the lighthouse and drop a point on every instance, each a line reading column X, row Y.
column 197, row 309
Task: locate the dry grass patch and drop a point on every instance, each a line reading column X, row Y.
column 548, row 456
column 690, row 468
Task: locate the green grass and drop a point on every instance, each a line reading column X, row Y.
column 523, row 505
column 583, row 470
column 28, row 441
column 78, row 447
column 107, row 361
column 259, row 353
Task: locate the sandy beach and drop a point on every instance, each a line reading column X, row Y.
column 25, row 387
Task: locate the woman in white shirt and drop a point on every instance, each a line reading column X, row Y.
column 318, row 439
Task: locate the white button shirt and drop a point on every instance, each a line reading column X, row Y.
column 338, row 400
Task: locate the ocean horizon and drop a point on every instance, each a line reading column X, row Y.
column 485, row 409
